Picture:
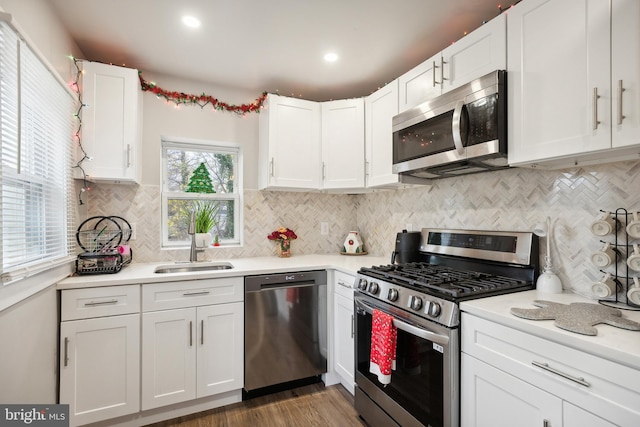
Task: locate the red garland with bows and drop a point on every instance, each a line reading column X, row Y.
column 202, row 100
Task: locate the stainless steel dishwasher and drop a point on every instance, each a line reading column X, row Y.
column 285, row 335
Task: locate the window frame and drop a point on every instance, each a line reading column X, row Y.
column 236, row 197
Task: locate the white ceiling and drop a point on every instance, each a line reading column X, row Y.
column 273, row 45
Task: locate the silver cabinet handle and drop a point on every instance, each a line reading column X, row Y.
column 66, row 351
column 434, row 74
column 344, row 285
column 324, row 171
column 455, row 127
column 442, row 79
column 190, row 333
column 546, row 367
column 271, row 168
column 595, row 108
column 193, row 294
column 202, row 332
column 367, row 167
column 128, row 155
column 353, row 326
column 96, row 303
column 621, row 89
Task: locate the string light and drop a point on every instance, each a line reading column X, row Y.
column 179, row 98
column 78, row 134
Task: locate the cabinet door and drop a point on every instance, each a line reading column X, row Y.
column 290, row 150
column 100, row 367
column 343, row 143
column 220, row 356
column 380, row 108
column 420, row 83
column 344, row 344
column 558, row 60
column 111, row 122
column 625, row 70
column 491, row 397
column 168, row 357
column 578, row 417
column 479, row 53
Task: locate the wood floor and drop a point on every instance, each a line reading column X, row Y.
column 312, row 405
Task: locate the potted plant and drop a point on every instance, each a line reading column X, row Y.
column 205, row 219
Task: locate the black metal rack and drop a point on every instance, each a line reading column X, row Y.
column 621, row 250
column 102, row 239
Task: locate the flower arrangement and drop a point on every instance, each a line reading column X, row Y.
column 284, row 236
column 282, row 233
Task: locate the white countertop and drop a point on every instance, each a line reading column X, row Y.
column 139, row 273
column 619, row 345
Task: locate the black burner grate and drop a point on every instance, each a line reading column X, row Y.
column 442, row 280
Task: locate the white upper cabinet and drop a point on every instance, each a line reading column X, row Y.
column 111, row 123
column 625, row 72
column 290, row 146
column 343, row 144
column 569, row 61
column 379, row 108
column 480, row 52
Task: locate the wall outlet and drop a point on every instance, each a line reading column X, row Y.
column 324, row 228
column 133, row 231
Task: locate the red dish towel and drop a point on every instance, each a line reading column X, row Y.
column 383, row 346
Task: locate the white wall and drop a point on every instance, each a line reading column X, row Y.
column 192, row 122
column 29, row 329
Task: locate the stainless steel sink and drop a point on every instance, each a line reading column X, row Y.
column 191, row 267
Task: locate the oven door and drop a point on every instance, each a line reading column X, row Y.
column 424, row 388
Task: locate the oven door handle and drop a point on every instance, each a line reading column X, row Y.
column 409, row 328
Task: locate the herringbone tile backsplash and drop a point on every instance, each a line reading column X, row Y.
column 514, row 199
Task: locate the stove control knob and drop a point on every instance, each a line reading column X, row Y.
column 415, row 302
column 362, row 285
column 373, row 288
column 433, row 309
column 392, row 295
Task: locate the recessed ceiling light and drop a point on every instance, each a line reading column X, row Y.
column 191, row 21
column 331, row 57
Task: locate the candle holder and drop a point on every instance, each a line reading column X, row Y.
column 548, row 281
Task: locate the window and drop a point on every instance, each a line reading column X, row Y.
column 197, row 173
column 35, row 174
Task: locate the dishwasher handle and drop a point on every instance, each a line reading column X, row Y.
column 273, row 286
column 285, row 280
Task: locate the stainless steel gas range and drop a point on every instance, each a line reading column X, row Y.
column 423, row 298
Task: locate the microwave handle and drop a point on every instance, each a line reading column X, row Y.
column 455, row 127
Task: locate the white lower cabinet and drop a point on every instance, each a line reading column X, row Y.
column 512, row 378
column 195, row 351
column 190, row 353
column 174, row 347
column 100, row 354
column 493, row 398
column 344, row 329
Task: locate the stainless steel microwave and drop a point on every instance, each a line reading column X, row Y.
column 463, row 131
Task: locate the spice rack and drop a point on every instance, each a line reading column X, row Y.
column 622, row 249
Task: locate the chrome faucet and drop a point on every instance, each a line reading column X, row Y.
column 193, row 255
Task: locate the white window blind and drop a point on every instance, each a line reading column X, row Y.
column 36, row 112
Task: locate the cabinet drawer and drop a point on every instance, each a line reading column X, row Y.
column 192, row 293
column 344, row 284
column 99, row 302
column 606, row 388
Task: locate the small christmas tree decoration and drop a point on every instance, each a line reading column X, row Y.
column 200, row 181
